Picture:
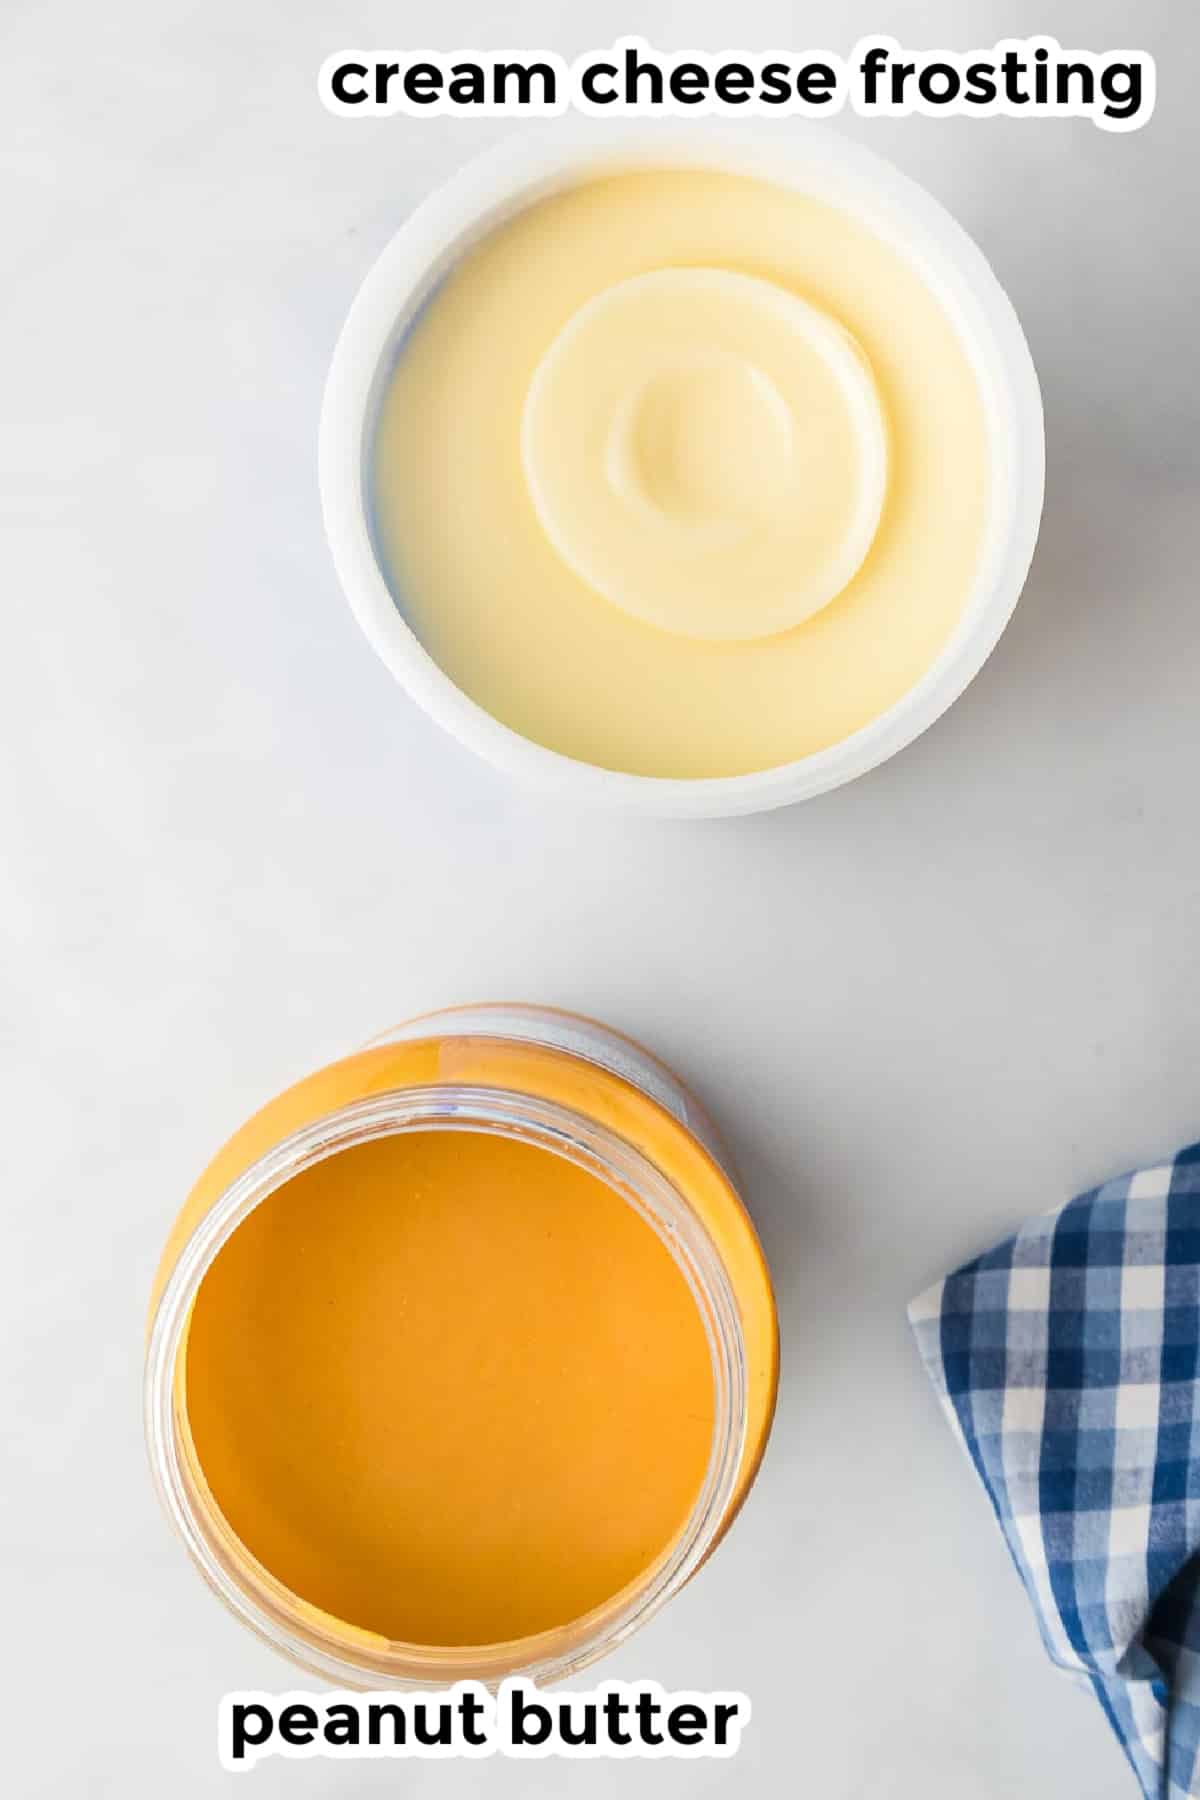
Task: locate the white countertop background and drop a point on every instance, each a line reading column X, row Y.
column 921, row 1008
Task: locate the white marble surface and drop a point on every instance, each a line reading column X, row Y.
column 920, row 1007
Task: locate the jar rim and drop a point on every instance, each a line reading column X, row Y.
column 335, row 1649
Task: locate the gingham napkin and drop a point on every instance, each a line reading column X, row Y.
column 1067, row 1362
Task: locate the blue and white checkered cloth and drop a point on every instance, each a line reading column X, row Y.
column 1067, row 1362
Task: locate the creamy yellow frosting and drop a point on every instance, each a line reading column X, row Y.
column 682, row 473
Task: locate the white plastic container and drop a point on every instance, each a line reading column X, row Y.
column 812, row 160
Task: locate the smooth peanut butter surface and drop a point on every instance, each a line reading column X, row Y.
column 449, row 1388
column 683, row 473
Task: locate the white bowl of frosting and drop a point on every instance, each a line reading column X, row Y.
column 691, row 471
